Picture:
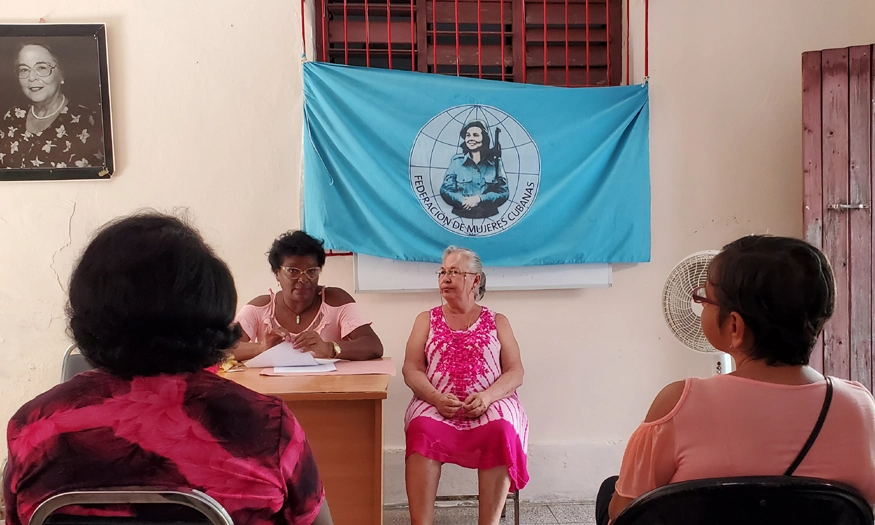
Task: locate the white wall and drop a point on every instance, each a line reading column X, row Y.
column 206, row 99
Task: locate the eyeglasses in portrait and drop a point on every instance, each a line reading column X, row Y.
column 55, row 120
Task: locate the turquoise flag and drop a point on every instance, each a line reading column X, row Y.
column 401, row 165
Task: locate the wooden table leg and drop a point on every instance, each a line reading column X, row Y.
column 346, row 437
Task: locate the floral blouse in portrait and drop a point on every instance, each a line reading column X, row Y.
column 74, row 139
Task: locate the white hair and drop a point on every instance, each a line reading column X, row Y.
column 474, row 266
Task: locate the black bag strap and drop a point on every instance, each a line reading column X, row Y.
column 815, row 431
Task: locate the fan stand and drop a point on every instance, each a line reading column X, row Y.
column 723, row 364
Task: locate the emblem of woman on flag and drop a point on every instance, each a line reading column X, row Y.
column 462, row 178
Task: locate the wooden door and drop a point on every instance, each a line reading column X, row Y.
column 837, row 120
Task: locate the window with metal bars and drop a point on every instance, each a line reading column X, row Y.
column 554, row 42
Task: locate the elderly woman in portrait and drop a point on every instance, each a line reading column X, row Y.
column 151, row 307
column 765, row 303
column 319, row 319
column 475, row 184
column 50, row 130
column 463, row 365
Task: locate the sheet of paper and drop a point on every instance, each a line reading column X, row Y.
column 283, row 354
column 374, row 366
column 325, row 367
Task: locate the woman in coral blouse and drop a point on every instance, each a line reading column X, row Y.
column 323, row 320
column 765, row 303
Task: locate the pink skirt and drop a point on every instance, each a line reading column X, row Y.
column 488, row 446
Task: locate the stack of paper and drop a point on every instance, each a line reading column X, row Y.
column 290, row 360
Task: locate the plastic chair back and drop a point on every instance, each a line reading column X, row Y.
column 758, row 500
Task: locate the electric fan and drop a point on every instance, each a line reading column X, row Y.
column 682, row 315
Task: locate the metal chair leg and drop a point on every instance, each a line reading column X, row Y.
column 516, row 506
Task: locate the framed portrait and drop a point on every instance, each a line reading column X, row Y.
column 55, row 121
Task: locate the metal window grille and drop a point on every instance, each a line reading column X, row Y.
column 556, row 42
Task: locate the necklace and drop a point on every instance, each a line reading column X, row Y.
column 298, row 314
column 53, row 113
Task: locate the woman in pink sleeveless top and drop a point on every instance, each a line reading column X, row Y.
column 463, row 365
column 323, row 320
column 765, row 303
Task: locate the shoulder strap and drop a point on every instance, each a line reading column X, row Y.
column 815, row 431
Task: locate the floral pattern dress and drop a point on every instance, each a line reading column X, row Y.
column 463, row 362
column 74, row 139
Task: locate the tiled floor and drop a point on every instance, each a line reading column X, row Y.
column 530, row 514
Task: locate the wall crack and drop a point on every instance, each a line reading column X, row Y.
column 59, row 250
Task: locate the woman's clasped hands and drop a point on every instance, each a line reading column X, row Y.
column 474, row 406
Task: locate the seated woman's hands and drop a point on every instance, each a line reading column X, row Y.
column 272, row 338
column 310, row 341
column 475, row 405
column 447, row 405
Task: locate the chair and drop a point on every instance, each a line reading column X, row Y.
column 757, row 500
column 514, row 495
column 212, row 512
column 73, row 363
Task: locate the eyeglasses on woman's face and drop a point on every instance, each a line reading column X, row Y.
column 42, row 69
column 700, row 296
column 296, row 273
column 452, row 272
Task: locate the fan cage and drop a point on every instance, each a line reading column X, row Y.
column 677, row 300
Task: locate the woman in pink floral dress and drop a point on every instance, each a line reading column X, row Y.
column 463, row 365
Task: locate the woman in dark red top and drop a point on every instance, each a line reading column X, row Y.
column 151, row 306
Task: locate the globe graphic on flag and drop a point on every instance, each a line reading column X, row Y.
column 514, row 176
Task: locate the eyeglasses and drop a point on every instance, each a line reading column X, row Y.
column 296, row 273
column 452, row 272
column 700, row 297
column 42, row 69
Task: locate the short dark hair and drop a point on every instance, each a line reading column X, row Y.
column 149, row 297
column 783, row 289
column 295, row 242
column 487, row 140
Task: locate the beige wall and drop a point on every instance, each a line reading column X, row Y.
column 206, row 99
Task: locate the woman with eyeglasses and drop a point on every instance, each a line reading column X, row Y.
column 463, row 365
column 765, row 303
column 319, row 319
column 50, row 130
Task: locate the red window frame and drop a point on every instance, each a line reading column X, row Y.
column 572, row 43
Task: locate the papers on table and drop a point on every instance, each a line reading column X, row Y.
column 324, row 365
column 343, row 367
column 282, row 355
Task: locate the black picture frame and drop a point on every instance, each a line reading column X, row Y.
column 84, row 110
